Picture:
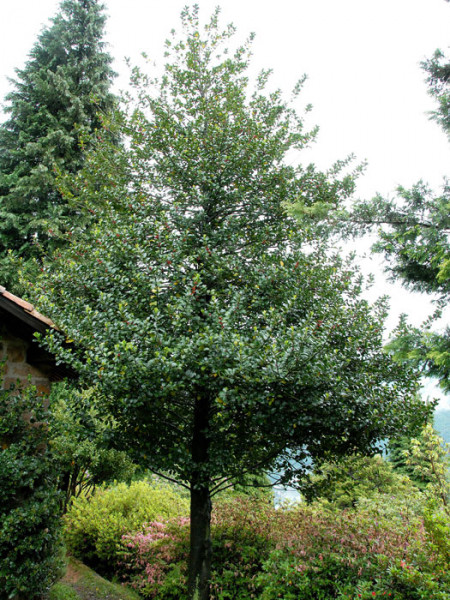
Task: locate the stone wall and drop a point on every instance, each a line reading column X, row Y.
column 17, row 369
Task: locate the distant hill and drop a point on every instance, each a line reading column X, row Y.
column 442, row 424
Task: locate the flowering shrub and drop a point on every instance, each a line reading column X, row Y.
column 94, row 527
column 380, row 549
column 362, row 553
column 155, row 559
column 302, row 553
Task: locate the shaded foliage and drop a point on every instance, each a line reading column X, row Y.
column 79, row 438
column 30, row 541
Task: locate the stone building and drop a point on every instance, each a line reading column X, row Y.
column 24, row 359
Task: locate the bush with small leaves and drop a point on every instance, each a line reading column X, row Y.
column 362, row 553
column 30, row 548
column 341, row 483
column 79, row 437
column 94, row 526
column 302, row 553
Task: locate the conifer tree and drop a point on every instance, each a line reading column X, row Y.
column 413, row 231
column 399, row 455
column 56, row 99
column 413, row 235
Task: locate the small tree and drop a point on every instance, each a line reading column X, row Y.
column 429, row 457
column 56, row 98
column 226, row 339
column 399, row 456
column 78, row 437
column 342, row 483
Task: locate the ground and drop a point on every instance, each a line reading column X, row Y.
column 81, row 583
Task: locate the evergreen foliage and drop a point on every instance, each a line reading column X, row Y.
column 417, row 246
column 56, row 99
column 226, row 339
column 30, row 528
column 341, row 484
column 79, row 436
column 51, row 450
column 429, row 456
column 399, row 450
column 438, row 70
column 413, row 234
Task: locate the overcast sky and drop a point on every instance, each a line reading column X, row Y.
column 362, row 58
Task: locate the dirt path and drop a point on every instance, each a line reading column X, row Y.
column 87, row 585
column 72, row 574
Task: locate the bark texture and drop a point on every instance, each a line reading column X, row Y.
column 200, row 541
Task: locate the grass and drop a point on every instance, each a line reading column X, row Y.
column 81, row 583
column 63, row 591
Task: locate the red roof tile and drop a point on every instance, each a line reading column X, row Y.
column 26, row 306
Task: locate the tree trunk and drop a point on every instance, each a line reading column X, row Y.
column 200, row 542
column 200, row 546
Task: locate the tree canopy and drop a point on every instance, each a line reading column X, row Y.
column 225, row 338
column 56, row 99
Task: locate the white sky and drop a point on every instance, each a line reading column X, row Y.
column 362, row 58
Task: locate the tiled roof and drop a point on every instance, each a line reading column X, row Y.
column 18, row 306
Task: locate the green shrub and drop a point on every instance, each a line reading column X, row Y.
column 437, row 525
column 79, row 436
column 305, row 552
column 341, row 483
column 30, row 547
column 300, row 553
column 242, row 540
column 429, row 457
column 94, row 526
